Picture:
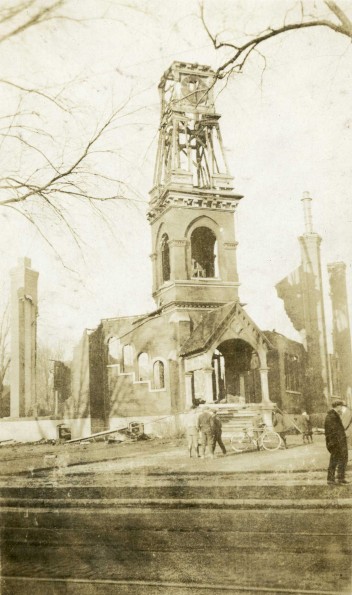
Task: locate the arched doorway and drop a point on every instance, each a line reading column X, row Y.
column 236, row 372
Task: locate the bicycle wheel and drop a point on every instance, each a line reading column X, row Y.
column 240, row 442
column 270, row 441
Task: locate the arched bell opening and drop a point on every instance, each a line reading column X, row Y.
column 204, row 253
column 236, row 372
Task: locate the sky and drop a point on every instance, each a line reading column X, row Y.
column 286, row 124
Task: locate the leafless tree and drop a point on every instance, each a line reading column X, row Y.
column 42, row 174
column 326, row 14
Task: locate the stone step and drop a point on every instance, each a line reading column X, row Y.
column 175, row 503
column 175, row 539
column 181, row 489
column 223, row 548
column 91, row 586
column 229, row 565
column 272, row 520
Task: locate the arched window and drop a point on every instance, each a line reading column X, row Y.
column 159, row 375
column 203, row 252
column 165, row 258
column 143, row 366
column 127, row 358
column 114, row 347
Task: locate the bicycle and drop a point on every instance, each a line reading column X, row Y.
column 246, row 438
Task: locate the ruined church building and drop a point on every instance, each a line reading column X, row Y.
column 199, row 343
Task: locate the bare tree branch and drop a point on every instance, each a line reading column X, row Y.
column 44, row 236
column 242, row 50
column 49, row 162
column 62, row 178
column 38, row 92
column 344, row 20
column 23, row 8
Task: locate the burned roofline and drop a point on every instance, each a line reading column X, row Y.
column 281, row 335
column 122, row 317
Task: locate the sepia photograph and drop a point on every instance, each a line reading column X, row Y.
column 175, row 297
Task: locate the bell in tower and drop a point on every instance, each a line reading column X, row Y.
column 192, row 203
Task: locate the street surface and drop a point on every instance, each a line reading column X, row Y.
column 144, row 517
column 86, row 462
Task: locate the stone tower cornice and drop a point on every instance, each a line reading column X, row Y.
column 163, row 199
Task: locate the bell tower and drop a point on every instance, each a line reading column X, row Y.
column 192, row 203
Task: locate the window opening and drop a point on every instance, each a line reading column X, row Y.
column 292, row 372
column 127, row 357
column 203, row 253
column 143, row 367
column 165, row 258
column 114, row 347
column 159, row 375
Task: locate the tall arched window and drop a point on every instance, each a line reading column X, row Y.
column 165, row 258
column 127, row 358
column 114, row 347
column 159, row 375
column 143, row 366
column 203, row 252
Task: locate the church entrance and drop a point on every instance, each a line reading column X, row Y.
column 226, row 359
column 236, row 376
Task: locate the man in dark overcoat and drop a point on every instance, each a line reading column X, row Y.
column 205, row 426
column 217, row 431
column 336, row 443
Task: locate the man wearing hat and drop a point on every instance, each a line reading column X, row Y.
column 205, row 426
column 217, row 431
column 336, row 443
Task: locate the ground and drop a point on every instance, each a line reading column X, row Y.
column 89, row 462
column 144, row 517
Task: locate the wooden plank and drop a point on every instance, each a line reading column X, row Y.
column 106, row 432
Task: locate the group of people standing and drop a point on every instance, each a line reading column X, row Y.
column 281, row 425
column 204, row 431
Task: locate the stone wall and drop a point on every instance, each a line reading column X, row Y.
column 291, row 400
